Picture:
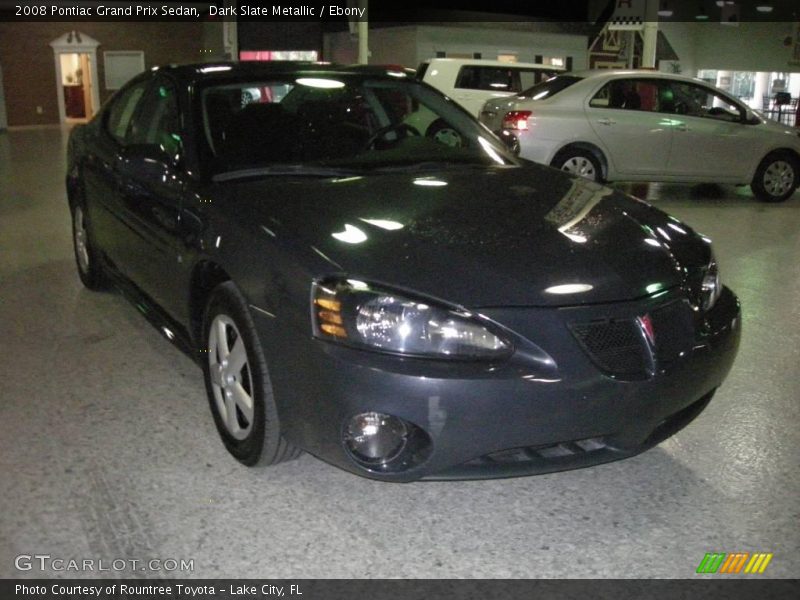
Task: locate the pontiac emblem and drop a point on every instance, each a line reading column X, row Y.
column 647, row 326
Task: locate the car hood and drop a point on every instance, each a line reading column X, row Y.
column 775, row 127
column 478, row 237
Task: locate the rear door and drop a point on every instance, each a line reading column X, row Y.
column 624, row 116
column 475, row 84
column 100, row 175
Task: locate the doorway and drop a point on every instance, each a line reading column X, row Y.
column 76, row 85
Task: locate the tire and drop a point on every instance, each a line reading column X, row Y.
column 87, row 260
column 579, row 162
column 777, row 177
column 445, row 134
column 238, row 384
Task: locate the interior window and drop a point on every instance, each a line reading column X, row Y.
column 158, row 120
column 530, row 77
column 628, row 94
column 120, row 113
column 697, row 101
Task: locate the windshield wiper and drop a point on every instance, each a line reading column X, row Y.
column 278, row 170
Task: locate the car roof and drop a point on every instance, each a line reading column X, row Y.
column 227, row 70
column 612, row 73
column 492, row 63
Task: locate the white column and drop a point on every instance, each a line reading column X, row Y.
column 363, row 37
column 230, row 34
column 760, row 89
column 650, row 34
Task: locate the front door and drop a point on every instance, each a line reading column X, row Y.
column 152, row 183
column 710, row 134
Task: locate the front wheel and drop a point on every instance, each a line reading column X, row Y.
column 579, row 162
column 776, row 177
column 238, row 384
column 445, row 134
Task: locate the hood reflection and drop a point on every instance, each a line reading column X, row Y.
column 571, row 214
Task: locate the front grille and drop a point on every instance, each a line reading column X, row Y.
column 530, row 454
column 617, row 347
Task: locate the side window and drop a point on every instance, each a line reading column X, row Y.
column 697, row 101
column 120, row 113
column 473, row 77
column 628, row 94
column 158, row 121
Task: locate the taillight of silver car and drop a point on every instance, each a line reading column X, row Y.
column 516, row 119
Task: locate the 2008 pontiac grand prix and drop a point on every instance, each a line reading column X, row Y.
column 399, row 304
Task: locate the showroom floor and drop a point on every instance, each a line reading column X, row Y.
column 108, row 450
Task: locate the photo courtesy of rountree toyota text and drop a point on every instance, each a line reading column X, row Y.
column 399, row 299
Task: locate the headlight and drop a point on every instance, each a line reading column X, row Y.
column 710, row 288
column 359, row 314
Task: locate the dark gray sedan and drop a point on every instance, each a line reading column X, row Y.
column 400, row 307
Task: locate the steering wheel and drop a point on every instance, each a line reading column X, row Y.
column 398, row 127
column 718, row 111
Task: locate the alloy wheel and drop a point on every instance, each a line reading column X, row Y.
column 80, row 235
column 779, row 178
column 579, row 165
column 231, row 378
column 448, row 137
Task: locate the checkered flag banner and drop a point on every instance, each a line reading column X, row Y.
column 628, row 15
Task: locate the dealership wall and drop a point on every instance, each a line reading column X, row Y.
column 747, row 46
column 3, row 116
column 29, row 67
column 408, row 46
column 681, row 37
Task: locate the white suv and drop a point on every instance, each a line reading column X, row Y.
column 649, row 126
column 471, row 82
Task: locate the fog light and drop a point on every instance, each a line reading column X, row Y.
column 375, row 438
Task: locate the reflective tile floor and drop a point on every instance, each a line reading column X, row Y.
column 108, row 451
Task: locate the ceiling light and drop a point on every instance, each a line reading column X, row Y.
column 764, row 8
column 384, row 224
column 429, row 182
column 350, row 235
column 569, row 288
column 318, row 82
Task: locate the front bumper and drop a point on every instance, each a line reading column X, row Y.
column 547, row 408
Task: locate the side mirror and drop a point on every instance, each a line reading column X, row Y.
column 146, row 162
column 749, row 117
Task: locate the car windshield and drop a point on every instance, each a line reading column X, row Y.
column 549, row 88
column 333, row 123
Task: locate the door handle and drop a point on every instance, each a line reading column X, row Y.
column 606, row 121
